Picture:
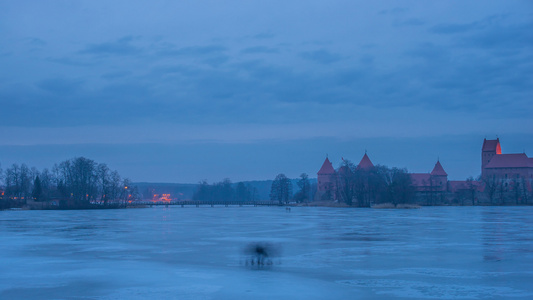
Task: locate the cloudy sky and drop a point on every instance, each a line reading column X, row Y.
column 179, row 91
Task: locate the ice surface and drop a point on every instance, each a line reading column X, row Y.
column 326, row 253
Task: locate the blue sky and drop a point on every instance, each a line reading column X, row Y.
column 180, row 91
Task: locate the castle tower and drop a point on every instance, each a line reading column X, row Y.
column 365, row 163
column 326, row 181
column 489, row 149
column 439, row 177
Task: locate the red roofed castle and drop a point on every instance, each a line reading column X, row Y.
column 504, row 166
column 437, row 180
column 326, row 182
column 508, row 172
column 326, row 178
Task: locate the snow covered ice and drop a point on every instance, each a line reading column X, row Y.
column 326, row 253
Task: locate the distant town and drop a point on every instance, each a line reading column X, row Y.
column 81, row 183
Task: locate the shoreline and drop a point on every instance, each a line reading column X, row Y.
column 288, row 205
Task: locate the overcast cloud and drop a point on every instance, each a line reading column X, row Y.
column 175, row 72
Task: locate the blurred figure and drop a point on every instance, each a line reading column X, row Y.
column 260, row 254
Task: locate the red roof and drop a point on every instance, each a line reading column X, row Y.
column 327, row 168
column 438, row 170
column 420, row 179
column 456, row 185
column 365, row 163
column 519, row 160
column 492, row 145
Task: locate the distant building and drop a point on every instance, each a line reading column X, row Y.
column 326, row 178
column 511, row 171
column 504, row 166
column 437, row 180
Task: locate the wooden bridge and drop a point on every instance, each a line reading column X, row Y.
column 206, row 203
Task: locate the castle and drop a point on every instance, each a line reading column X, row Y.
column 508, row 167
column 503, row 172
column 326, row 177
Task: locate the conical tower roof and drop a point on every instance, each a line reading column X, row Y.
column 438, row 170
column 327, row 168
column 365, row 163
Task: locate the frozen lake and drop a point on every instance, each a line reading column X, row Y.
column 327, row 253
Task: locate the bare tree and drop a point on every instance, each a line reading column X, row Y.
column 501, row 190
column 115, row 186
column 203, row 192
column 491, row 187
column 346, row 182
column 79, row 179
column 524, row 190
column 398, row 186
column 515, row 190
column 303, row 194
column 242, row 192
column 37, row 189
column 472, row 189
column 18, row 182
column 281, row 189
column 225, row 190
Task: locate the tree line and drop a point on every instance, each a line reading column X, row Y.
column 379, row 184
column 74, row 183
column 352, row 185
column 224, row 191
column 227, row 191
column 502, row 191
column 282, row 189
